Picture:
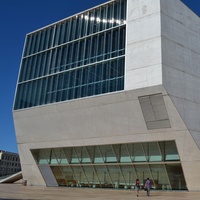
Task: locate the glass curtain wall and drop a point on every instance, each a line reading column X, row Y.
column 115, row 166
column 74, row 58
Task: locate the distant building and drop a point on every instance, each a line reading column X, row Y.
column 112, row 94
column 9, row 163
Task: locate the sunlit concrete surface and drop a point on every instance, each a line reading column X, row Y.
column 19, row 192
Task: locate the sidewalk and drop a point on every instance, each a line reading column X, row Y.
column 20, row 192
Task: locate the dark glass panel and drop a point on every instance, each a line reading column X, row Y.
column 51, row 39
column 69, row 177
column 85, row 23
column 123, row 10
column 97, row 20
column 41, row 46
column 29, row 94
column 37, row 66
column 22, row 100
column 55, row 156
column 68, row 154
column 100, row 47
column 49, row 89
column 47, row 36
column 33, row 43
column 47, row 63
column 42, row 65
column 60, row 87
column 81, row 52
column 176, row 177
column 58, row 60
column 115, row 13
column 69, row 30
column 104, row 17
column 128, row 176
column 75, row 155
column 87, row 51
column 101, row 18
column 69, row 56
column 98, row 73
column 74, row 55
column 34, row 92
column 154, row 152
column 79, row 75
column 62, row 33
column 23, row 69
column 85, row 157
column 90, row 176
column 171, row 152
column 53, row 61
column 79, row 27
column 93, row 49
column 65, row 86
column 114, row 176
column 110, row 18
column 122, row 41
column 115, row 44
column 125, row 156
column 91, row 22
column 64, row 36
column 110, row 154
column 63, row 59
column 37, row 46
column 103, row 175
column 108, row 45
column 160, row 176
column 138, row 154
column 73, row 29
column 27, row 45
column 43, row 91
column 28, row 68
column 98, row 158
column 57, row 34
column 54, row 88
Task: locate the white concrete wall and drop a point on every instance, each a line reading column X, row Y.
column 181, row 77
column 143, row 44
column 107, row 119
column 181, row 61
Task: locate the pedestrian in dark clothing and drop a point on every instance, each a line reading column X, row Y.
column 137, row 186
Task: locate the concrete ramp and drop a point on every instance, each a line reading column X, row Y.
column 12, row 178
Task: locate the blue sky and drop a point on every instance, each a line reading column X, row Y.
column 17, row 18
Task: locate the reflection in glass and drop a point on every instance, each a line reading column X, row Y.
column 115, row 166
column 92, row 42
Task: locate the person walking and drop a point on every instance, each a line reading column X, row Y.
column 148, row 186
column 137, row 186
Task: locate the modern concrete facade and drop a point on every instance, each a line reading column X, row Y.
column 148, row 127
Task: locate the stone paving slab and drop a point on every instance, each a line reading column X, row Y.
column 20, row 192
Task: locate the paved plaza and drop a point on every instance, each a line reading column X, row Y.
column 19, row 192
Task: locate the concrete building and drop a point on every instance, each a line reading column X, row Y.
column 112, row 94
column 9, row 163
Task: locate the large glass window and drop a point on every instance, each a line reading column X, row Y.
column 104, row 77
column 115, row 166
column 93, row 41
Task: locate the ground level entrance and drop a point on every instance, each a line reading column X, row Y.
column 115, row 165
